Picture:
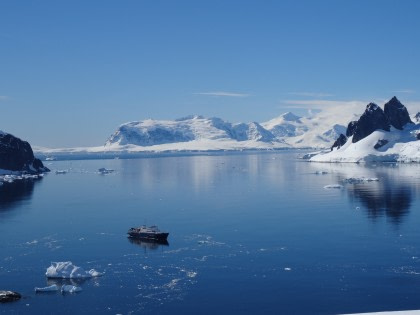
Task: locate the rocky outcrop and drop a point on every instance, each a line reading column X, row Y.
column 380, row 143
column 372, row 119
column 17, row 155
column 417, row 117
column 342, row 139
column 9, row 296
column 351, row 128
column 396, row 113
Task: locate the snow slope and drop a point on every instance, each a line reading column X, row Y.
column 307, row 132
column 402, row 146
column 155, row 132
column 198, row 134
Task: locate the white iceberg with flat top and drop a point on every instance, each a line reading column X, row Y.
column 66, row 270
column 50, row 288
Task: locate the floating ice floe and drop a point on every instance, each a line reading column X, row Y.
column 67, row 288
column 355, row 180
column 50, row 288
column 10, row 178
column 66, row 270
column 334, row 186
column 61, row 171
column 104, row 170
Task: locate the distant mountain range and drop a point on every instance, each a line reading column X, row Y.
column 388, row 132
column 287, row 130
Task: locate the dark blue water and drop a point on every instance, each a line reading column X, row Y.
column 249, row 234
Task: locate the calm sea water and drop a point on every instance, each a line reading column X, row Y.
column 249, row 234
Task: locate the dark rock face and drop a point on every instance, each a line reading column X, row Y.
column 380, row 143
column 17, row 155
column 396, row 113
column 342, row 139
column 417, row 117
column 418, row 136
column 9, row 296
column 351, row 128
column 372, row 119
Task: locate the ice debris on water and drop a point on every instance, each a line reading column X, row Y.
column 10, row 178
column 355, row 180
column 50, row 288
column 66, row 270
column 61, row 171
column 105, row 171
column 67, row 288
column 334, row 186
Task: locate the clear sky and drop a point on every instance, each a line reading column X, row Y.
column 72, row 71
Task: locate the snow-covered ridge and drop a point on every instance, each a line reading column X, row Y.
column 195, row 133
column 154, row 132
column 287, row 130
column 389, row 144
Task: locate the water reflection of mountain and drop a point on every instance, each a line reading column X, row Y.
column 386, row 198
column 148, row 244
column 13, row 194
column 391, row 197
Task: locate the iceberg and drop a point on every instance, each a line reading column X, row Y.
column 51, row 288
column 355, row 180
column 66, row 270
column 105, row 171
column 67, row 288
column 334, row 186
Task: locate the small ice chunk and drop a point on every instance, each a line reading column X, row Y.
column 66, row 270
column 104, row 170
column 334, row 186
column 67, row 288
column 355, row 180
column 287, row 269
column 50, row 288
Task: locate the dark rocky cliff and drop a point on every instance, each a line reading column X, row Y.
column 396, row 113
column 372, row 119
column 342, row 139
column 17, row 155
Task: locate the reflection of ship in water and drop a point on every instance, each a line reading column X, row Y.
column 387, row 198
column 148, row 244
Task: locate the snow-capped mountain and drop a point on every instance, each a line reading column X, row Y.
column 315, row 131
column 198, row 133
column 155, row 132
column 378, row 135
column 286, row 125
column 287, row 129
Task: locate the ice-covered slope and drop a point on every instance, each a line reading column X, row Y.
column 402, row 146
column 392, row 141
column 155, row 132
column 307, row 132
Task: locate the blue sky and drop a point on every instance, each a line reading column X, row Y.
column 72, row 71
